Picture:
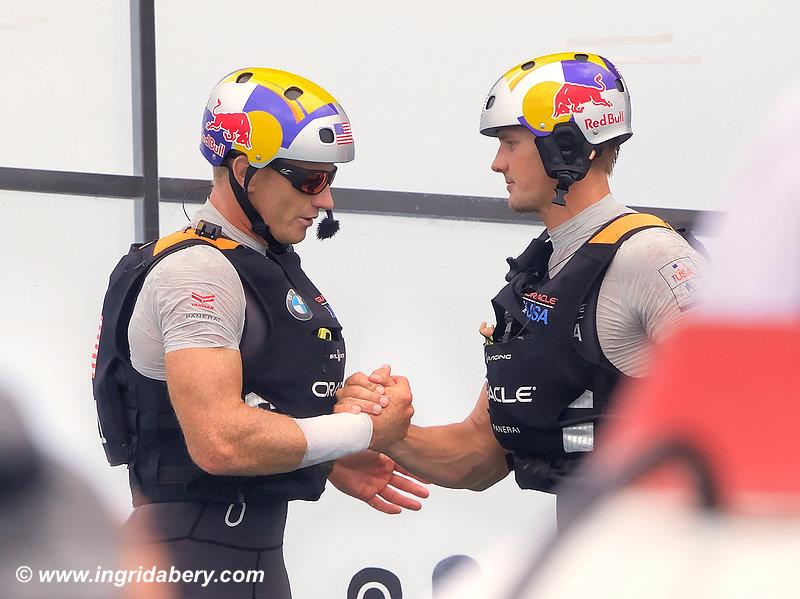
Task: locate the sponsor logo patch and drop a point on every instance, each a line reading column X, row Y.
column 297, row 306
column 506, row 430
column 320, row 299
column 522, row 394
column 572, row 97
column 538, row 305
column 681, row 275
column 326, row 388
column 537, row 313
column 495, row 357
column 548, row 301
column 235, row 126
column 206, row 317
column 205, row 302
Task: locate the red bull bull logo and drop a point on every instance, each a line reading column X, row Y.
column 235, row 126
column 572, row 97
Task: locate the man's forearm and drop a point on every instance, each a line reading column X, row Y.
column 256, row 442
column 251, row 442
column 458, row 456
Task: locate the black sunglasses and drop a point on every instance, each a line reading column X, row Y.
column 305, row 180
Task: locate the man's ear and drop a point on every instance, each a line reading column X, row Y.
column 239, row 168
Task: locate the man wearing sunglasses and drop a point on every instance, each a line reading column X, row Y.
column 218, row 359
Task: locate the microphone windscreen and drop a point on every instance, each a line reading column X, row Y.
column 328, row 227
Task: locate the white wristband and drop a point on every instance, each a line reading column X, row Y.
column 334, row 436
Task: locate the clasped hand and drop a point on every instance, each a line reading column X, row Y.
column 372, row 476
column 386, row 398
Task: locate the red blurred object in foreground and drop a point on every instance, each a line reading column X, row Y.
column 730, row 391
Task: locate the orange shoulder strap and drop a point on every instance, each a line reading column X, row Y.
column 164, row 243
column 616, row 229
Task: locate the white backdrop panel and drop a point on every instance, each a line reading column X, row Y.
column 66, row 99
column 413, row 75
column 60, row 253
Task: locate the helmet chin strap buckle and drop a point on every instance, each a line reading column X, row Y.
column 565, row 180
column 559, row 199
column 566, row 156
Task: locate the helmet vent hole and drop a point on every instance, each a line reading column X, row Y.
column 490, row 102
column 293, row 93
column 244, row 77
column 620, row 85
column 581, row 57
column 528, row 65
column 326, row 136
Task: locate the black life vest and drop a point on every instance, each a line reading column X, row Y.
column 548, row 381
column 292, row 360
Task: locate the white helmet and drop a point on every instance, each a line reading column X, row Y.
column 268, row 113
column 541, row 93
column 571, row 102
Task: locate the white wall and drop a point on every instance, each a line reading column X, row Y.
column 66, row 95
column 59, row 254
column 412, row 76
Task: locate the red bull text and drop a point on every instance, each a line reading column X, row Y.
column 211, row 144
column 606, row 119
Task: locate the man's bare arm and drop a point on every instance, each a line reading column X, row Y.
column 224, row 435
column 463, row 455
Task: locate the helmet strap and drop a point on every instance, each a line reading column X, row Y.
column 565, row 156
column 257, row 223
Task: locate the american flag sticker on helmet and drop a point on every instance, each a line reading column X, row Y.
column 343, row 133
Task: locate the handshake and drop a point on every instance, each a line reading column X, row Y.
column 385, row 398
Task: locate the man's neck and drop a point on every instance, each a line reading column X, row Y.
column 581, row 195
column 230, row 210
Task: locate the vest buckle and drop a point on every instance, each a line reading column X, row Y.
column 208, row 230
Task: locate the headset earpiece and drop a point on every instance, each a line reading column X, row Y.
column 565, row 156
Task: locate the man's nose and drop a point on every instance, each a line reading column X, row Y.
column 499, row 164
column 323, row 200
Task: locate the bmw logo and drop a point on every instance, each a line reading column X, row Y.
column 297, row 306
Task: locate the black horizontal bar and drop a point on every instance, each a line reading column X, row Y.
column 366, row 201
column 71, row 183
column 372, row 201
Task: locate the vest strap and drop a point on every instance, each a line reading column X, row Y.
column 222, row 243
column 627, row 223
